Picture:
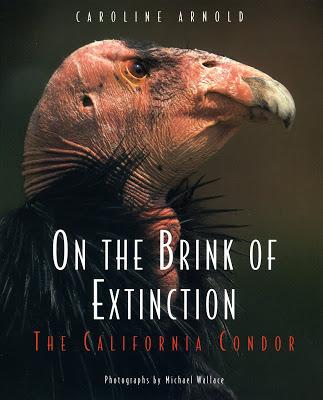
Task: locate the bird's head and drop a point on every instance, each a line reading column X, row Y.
column 177, row 106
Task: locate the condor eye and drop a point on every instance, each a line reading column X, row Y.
column 137, row 69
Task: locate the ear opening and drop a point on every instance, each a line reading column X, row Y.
column 86, row 101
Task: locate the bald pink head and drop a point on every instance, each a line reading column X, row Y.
column 178, row 106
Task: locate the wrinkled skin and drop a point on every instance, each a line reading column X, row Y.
column 180, row 109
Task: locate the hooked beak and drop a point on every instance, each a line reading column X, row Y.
column 263, row 95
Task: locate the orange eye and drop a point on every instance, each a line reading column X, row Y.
column 137, row 69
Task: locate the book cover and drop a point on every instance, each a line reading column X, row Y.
column 161, row 200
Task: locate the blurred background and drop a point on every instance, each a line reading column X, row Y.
column 273, row 175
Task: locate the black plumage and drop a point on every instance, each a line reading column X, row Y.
column 35, row 296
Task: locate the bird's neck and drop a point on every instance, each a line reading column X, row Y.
column 146, row 190
column 155, row 220
column 148, row 198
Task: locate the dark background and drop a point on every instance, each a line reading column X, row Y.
column 276, row 177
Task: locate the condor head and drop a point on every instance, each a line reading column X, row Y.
column 178, row 106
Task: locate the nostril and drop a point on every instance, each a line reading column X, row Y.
column 209, row 64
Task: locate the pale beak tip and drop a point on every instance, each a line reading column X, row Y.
column 272, row 96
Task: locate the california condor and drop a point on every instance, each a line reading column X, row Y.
column 119, row 128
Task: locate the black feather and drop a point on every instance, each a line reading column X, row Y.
column 87, row 204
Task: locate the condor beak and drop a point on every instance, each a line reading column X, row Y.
column 259, row 92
